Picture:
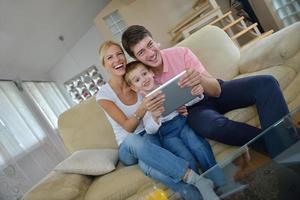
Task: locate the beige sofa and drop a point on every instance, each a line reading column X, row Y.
column 85, row 127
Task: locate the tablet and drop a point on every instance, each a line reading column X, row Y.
column 174, row 95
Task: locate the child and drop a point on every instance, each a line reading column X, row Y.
column 176, row 135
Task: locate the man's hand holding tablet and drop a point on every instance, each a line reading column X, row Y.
column 191, row 78
column 174, row 95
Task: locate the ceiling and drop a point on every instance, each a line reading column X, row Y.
column 29, row 31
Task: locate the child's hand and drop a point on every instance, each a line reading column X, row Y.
column 156, row 114
column 182, row 110
column 197, row 90
column 154, row 101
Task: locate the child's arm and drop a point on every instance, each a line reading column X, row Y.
column 150, row 123
column 156, row 115
column 182, row 110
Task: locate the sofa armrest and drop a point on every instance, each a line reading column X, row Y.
column 272, row 50
column 60, row 186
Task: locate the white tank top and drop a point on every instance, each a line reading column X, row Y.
column 107, row 93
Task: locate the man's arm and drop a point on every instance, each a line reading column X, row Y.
column 197, row 74
column 210, row 85
column 193, row 77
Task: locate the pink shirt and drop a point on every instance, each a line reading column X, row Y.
column 175, row 60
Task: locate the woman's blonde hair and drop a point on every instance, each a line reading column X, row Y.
column 104, row 47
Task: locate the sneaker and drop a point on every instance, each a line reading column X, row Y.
column 205, row 186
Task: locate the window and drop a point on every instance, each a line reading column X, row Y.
column 116, row 25
column 48, row 99
column 287, row 10
column 19, row 129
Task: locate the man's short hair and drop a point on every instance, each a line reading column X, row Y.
column 133, row 35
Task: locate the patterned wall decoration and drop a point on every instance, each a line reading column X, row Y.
column 84, row 85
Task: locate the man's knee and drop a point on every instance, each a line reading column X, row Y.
column 214, row 126
column 267, row 82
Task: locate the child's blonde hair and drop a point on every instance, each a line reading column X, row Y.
column 130, row 67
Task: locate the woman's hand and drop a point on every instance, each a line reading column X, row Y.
column 154, row 101
column 197, row 90
column 182, row 110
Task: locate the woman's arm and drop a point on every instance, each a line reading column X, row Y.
column 128, row 123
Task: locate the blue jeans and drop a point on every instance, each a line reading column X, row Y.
column 180, row 139
column 206, row 117
column 187, row 192
column 157, row 163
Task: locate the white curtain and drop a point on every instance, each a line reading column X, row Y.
column 48, row 98
column 29, row 144
column 288, row 11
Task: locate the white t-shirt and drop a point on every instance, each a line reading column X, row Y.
column 152, row 127
column 107, row 93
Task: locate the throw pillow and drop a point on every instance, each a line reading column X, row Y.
column 89, row 162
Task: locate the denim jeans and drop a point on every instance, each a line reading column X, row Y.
column 180, row 139
column 187, row 192
column 157, row 163
column 138, row 147
column 206, row 117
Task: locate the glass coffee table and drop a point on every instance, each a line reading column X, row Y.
column 265, row 171
column 257, row 170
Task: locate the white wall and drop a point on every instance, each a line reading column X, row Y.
column 157, row 15
column 83, row 55
column 11, row 73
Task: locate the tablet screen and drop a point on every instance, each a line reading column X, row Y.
column 174, row 95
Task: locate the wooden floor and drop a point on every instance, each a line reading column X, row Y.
column 248, row 165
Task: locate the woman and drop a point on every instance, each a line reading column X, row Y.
column 124, row 113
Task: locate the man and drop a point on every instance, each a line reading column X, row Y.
column 206, row 117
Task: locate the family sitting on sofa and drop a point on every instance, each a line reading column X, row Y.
column 173, row 154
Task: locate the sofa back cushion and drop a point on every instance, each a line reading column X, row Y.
column 215, row 50
column 85, row 126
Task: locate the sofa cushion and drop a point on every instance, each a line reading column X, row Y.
column 89, row 162
column 85, row 126
column 60, row 186
column 287, row 79
column 284, row 75
column 118, row 185
column 279, row 48
column 292, row 90
column 215, row 50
